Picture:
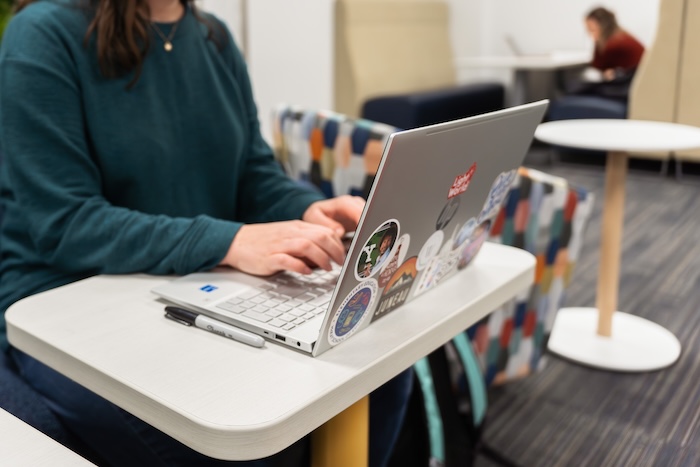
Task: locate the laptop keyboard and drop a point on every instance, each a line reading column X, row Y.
column 286, row 300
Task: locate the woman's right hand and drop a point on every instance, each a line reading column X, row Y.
column 264, row 249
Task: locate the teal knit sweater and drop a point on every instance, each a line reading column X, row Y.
column 100, row 179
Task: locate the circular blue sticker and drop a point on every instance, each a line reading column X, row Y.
column 353, row 311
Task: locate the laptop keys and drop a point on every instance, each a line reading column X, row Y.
column 278, row 323
column 230, row 307
column 287, row 301
column 262, row 317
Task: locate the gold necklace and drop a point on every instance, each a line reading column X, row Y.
column 167, row 40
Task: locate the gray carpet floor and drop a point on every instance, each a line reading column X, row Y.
column 570, row 415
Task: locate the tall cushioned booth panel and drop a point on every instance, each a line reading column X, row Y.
column 390, row 46
column 654, row 92
column 689, row 79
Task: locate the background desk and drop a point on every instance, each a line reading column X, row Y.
column 226, row 399
column 24, row 446
column 524, row 67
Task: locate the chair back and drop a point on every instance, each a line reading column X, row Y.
column 338, row 154
column 546, row 216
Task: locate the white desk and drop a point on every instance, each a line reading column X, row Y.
column 586, row 335
column 23, row 445
column 109, row 334
column 523, row 65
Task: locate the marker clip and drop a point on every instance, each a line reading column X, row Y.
column 177, row 320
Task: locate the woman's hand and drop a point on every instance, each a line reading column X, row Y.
column 264, row 249
column 315, row 241
column 340, row 214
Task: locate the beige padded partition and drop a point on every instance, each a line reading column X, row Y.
column 389, row 47
column 653, row 95
column 689, row 81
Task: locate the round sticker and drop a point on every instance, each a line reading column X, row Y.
column 498, row 193
column 473, row 245
column 464, row 233
column 397, row 289
column 430, row 249
column 397, row 256
column 447, row 214
column 352, row 312
column 430, row 276
column 377, row 250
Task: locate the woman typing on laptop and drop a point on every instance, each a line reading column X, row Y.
column 131, row 144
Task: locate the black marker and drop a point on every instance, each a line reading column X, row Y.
column 190, row 318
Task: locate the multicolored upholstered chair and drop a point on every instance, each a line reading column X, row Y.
column 541, row 214
column 546, row 216
column 338, row 154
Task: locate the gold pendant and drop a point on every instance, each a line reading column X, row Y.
column 168, row 46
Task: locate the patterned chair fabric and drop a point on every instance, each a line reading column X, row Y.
column 542, row 214
column 546, row 216
column 338, row 154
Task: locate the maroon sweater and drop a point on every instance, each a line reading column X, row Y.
column 621, row 51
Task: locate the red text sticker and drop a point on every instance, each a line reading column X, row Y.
column 461, row 183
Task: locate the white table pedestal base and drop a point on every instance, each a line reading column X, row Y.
column 636, row 344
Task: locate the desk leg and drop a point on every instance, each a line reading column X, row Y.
column 519, row 92
column 344, row 440
column 586, row 335
column 611, row 240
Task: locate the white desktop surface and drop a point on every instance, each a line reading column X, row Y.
column 550, row 61
column 23, row 445
column 226, row 399
column 620, row 135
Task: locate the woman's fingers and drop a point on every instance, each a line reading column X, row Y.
column 264, row 249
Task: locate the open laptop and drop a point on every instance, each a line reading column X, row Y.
column 437, row 191
column 518, row 51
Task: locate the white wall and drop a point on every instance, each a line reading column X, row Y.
column 291, row 54
column 229, row 11
column 289, row 50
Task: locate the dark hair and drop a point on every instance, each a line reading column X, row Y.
column 607, row 21
column 120, row 28
column 388, row 235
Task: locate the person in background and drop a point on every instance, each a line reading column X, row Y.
column 617, row 53
column 131, row 144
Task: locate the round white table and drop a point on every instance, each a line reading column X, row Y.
column 585, row 335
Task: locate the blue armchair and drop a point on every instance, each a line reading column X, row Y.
column 416, row 109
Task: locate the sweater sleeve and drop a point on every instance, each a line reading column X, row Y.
column 56, row 185
column 266, row 193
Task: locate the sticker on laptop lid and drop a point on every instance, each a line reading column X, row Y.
column 497, row 194
column 471, row 247
column 397, row 256
column 397, row 289
column 447, row 214
column 464, row 233
column 352, row 312
column 430, row 249
column 440, row 266
column 461, row 182
column 377, row 250
column 429, row 276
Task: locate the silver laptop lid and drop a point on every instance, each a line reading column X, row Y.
column 436, row 193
